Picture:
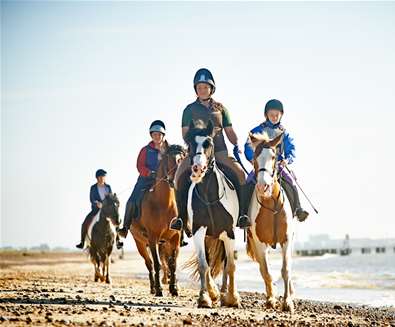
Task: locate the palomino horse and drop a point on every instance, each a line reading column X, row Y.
column 212, row 210
column 101, row 236
column 270, row 223
column 158, row 209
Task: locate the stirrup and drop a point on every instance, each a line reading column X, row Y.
column 176, row 224
column 243, row 222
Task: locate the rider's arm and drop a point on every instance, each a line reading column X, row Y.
column 248, row 150
column 184, row 131
column 289, row 148
column 143, row 170
column 186, row 120
column 228, row 128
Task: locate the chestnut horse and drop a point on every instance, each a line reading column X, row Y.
column 213, row 209
column 158, row 209
column 270, row 223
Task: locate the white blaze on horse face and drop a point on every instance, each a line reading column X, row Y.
column 265, row 177
column 199, row 164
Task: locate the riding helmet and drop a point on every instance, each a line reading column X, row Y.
column 100, row 172
column 157, row 126
column 274, row 104
column 203, row 75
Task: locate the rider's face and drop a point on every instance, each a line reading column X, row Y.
column 101, row 179
column 203, row 91
column 157, row 137
column 274, row 116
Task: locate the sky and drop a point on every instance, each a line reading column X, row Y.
column 82, row 81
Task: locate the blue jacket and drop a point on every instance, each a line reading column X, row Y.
column 95, row 196
column 287, row 149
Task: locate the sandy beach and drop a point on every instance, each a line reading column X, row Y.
column 57, row 289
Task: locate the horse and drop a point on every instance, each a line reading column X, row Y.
column 152, row 229
column 270, row 224
column 213, row 209
column 101, row 236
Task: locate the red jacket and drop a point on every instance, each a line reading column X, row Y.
column 148, row 160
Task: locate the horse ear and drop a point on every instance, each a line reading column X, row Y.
column 276, row 141
column 164, row 147
column 210, row 128
column 255, row 139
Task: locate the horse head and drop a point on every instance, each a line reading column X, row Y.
column 171, row 158
column 264, row 162
column 201, row 148
column 110, row 209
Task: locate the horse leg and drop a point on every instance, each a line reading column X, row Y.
column 142, row 248
column 224, row 286
column 154, row 252
column 286, row 274
column 107, row 266
column 163, row 255
column 172, row 262
column 261, row 251
column 204, row 300
column 231, row 297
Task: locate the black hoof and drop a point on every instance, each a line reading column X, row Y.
column 173, row 290
column 159, row 292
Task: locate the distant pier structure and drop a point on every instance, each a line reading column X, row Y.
column 322, row 244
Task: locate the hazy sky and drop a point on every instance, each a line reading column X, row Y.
column 81, row 82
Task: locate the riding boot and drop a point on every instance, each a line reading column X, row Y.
column 127, row 220
column 245, row 194
column 293, row 196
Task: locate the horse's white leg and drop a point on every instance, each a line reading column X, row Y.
column 286, row 274
column 232, row 297
column 224, row 286
column 204, row 300
column 261, row 251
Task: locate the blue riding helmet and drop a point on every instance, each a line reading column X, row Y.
column 157, row 126
column 203, row 75
column 100, row 172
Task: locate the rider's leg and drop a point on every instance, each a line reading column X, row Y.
column 182, row 183
column 292, row 193
column 85, row 226
column 243, row 190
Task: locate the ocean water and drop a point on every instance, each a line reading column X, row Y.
column 361, row 279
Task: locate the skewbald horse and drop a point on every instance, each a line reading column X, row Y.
column 270, row 223
column 212, row 210
column 157, row 210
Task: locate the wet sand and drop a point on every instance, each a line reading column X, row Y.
column 57, row 289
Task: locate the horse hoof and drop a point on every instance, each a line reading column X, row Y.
column 173, row 290
column 108, row 281
column 158, row 292
column 214, row 294
column 231, row 300
column 152, row 290
column 204, row 301
column 271, row 303
column 288, row 306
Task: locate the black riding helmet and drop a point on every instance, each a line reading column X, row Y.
column 203, row 75
column 100, row 172
column 157, row 126
column 274, row 104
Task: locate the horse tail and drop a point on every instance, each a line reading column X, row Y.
column 215, row 255
column 250, row 247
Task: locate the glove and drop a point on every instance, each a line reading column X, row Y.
column 236, row 152
column 152, row 174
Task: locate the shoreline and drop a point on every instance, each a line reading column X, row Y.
column 57, row 289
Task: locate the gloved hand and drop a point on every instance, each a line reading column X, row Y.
column 236, row 152
column 152, row 174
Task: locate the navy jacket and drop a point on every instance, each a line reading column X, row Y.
column 95, row 196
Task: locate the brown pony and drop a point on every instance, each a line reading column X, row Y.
column 157, row 210
column 270, row 223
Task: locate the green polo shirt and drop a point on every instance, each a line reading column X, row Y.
column 187, row 114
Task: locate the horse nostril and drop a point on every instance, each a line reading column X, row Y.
column 204, row 168
column 195, row 168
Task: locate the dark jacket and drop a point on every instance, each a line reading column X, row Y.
column 95, row 196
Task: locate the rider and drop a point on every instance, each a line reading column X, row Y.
column 286, row 153
column 206, row 108
column 97, row 194
column 147, row 165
